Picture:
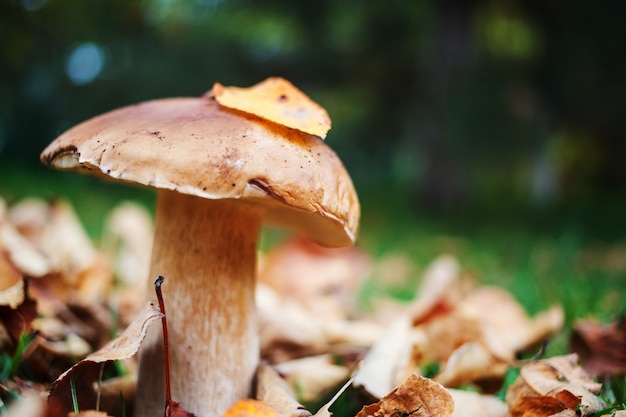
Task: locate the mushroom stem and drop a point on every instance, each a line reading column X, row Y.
column 207, row 251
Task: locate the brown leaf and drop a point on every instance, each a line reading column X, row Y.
column 287, row 329
column 19, row 320
column 471, row 362
column 550, row 375
column 22, row 254
column 85, row 372
column 440, row 290
column 540, row 406
column 417, row 396
column 324, row 280
column 387, row 362
column 568, row 399
column 510, row 330
column 602, row 348
column 556, row 376
column 278, row 101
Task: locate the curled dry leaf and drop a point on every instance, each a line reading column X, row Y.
column 473, row 343
column 22, row 254
column 289, row 329
column 471, row 362
column 440, row 290
column 276, row 393
column 278, row 101
column 85, row 372
column 416, row 396
column 541, row 406
column 510, row 330
column 387, row 362
column 560, row 379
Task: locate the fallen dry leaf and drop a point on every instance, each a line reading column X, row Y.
column 440, row 290
column 540, row 406
column 471, row 362
column 471, row 342
column 85, row 372
column 30, row 405
column 559, row 378
column 278, row 101
column 18, row 320
column 602, row 348
column 324, row 280
column 416, row 396
column 287, row 330
column 65, row 241
column 312, row 376
column 510, row 330
column 127, row 344
column 276, row 393
column 127, row 239
column 473, row 404
column 12, row 293
column 22, row 254
column 387, row 362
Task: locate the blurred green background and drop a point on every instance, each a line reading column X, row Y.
column 493, row 130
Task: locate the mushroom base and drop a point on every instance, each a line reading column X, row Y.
column 206, row 250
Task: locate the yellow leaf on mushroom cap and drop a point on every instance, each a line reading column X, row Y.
column 278, row 101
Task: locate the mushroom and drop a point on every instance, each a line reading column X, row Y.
column 219, row 174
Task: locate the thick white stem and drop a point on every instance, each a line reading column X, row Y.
column 206, row 250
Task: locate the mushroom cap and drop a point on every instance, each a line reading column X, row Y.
column 197, row 147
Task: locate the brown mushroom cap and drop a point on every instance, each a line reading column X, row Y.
column 195, row 146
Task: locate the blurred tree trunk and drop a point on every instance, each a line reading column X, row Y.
column 443, row 182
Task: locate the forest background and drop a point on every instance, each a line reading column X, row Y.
column 492, row 130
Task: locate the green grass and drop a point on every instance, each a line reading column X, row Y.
column 542, row 258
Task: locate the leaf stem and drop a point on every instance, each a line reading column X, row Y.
column 166, row 350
